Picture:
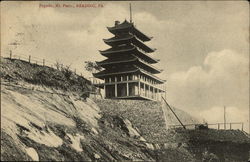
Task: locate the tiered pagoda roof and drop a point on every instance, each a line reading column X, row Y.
column 129, row 27
column 111, row 52
column 128, row 53
column 129, row 38
column 128, row 60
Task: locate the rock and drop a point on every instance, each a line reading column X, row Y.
column 97, row 156
column 156, row 146
column 131, row 131
column 150, row 146
column 184, row 145
column 170, row 145
column 94, row 131
column 32, row 153
column 142, row 139
column 124, row 124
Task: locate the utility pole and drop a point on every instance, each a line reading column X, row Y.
column 10, row 54
column 225, row 117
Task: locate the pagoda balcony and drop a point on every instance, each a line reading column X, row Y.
column 130, row 78
column 132, row 86
column 132, row 70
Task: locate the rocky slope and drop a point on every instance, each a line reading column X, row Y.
column 44, row 118
column 46, row 115
column 39, row 126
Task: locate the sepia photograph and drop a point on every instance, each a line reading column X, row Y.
column 125, row 81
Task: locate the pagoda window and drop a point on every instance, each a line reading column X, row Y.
column 112, row 79
column 106, row 80
column 119, row 78
column 126, row 77
column 130, row 77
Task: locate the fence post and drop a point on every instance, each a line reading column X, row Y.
column 10, row 54
column 230, row 126
column 29, row 58
column 43, row 62
column 242, row 126
column 218, row 126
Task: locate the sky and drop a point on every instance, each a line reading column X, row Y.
column 203, row 46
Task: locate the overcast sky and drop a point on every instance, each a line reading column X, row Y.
column 203, row 46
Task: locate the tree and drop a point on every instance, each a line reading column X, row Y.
column 92, row 66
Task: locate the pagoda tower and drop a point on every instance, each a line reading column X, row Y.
column 129, row 71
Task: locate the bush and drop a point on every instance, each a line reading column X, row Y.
column 66, row 71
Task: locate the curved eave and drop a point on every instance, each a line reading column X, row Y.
column 115, row 62
column 140, row 35
column 154, row 69
column 153, row 60
column 108, row 52
column 144, row 46
column 113, row 39
column 131, row 28
column 100, row 76
column 152, row 76
column 124, row 25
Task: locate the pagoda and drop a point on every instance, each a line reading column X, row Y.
column 129, row 71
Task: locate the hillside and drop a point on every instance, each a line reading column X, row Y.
column 49, row 119
column 45, row 121
column 60, row 78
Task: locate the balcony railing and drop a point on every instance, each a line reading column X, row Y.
column 96, row 80
column 133, row 78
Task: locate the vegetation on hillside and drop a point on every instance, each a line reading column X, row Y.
column 60, row 77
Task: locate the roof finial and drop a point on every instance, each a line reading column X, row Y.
column 130, row 9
